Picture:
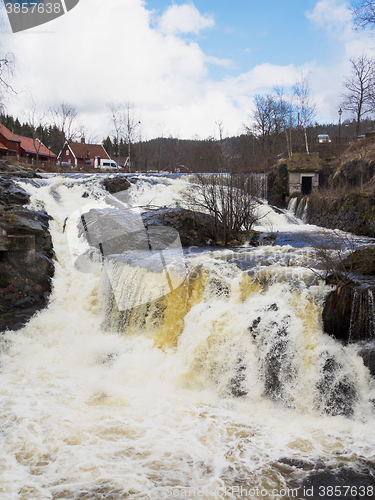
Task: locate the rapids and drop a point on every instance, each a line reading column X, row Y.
column 226, row 382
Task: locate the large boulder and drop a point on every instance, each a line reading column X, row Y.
column 116, row 184
column 26, row 259
column 195, row 228
column 11, row 194
column 349, row 310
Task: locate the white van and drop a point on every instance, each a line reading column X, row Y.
column 105, row 164
column 323, row 138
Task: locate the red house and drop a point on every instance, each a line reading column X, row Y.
column 23, row 147
column 80, row 153
column 10, row 143
column 31, row 150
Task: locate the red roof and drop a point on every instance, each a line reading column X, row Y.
column 2, row 146
column 8, row 134
column 83, row 150
column 27, row 145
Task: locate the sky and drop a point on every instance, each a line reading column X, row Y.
column 185, row 65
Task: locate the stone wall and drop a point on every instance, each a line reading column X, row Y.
column 354, row 213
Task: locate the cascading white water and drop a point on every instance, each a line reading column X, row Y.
column 203, row 390
column 362, row 317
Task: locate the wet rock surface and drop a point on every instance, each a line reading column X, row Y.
column 353, row 213
column 11, row 194
column 116, row 184
column 349, row 310
column 194, row 228
column 341, row 484
column 322, row 481
column 12, row 171
column 26, row 258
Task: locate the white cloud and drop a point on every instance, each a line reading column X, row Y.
column 112, row 52
column 335, row 17
column 226, row 63
column 184, row 18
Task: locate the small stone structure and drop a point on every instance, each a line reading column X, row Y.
column 303, row 174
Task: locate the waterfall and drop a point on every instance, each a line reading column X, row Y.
column 144, row 378
column 259, row 185
column 304, row 213
column 362, row 317
column 292, row 205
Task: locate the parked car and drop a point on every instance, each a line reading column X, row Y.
column 322, row 138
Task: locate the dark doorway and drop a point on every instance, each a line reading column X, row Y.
column 306, row 185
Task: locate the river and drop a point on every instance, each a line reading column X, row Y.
column 217, row 390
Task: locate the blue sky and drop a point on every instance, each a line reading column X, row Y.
column 185, row 64
column 252, row 32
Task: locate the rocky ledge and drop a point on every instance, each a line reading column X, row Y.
column 26, row 257
column 349, row 310
column 195, row 228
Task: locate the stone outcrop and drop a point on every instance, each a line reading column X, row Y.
column 349, row 310
column 7, row 169
column 11, row 194
column 26, row 258
column 116, row 184
column 194, row 228
column 354, row 213
column 347, row 483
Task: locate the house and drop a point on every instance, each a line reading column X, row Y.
column 10, row 143
column 178, row 169
column 23, row 147
column 80, row 153
column 32, row 150
column 303, row 174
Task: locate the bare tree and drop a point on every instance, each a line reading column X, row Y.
column 273, row 115
column 359, row 98
column 125, row 125
column 329, row 257
column 221, row 156
column 37, row 122
column 6, row 70
column 131, row 125
column 364, row 14
column 117, row 114
column 305, row 106
column 229, row 198
column 265, row 124
column 64, row 116
column 285, row 114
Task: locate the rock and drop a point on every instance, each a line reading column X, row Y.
column 116, row 184
column 352, row 213
column 348, row 315
column 367, row 353
column 337, row 313
column 11, row 171
column 269, row 239
column 194, row 228
column 337, row 391
column 361, row 262
column 345, row 483
column 26, row 253
column 11, row 194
